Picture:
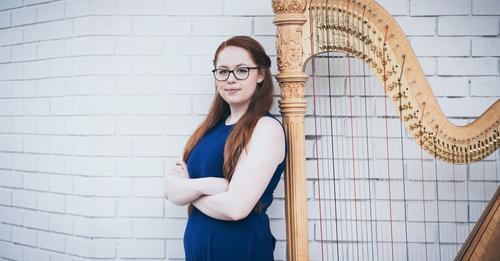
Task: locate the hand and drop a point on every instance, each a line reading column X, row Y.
column 180, row 170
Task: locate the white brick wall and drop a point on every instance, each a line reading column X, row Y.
column 98, row 97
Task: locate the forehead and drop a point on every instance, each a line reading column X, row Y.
column 232, row 56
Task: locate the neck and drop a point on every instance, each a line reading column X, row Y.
column 237, row 110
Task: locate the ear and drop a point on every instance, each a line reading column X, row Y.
column 260, row 76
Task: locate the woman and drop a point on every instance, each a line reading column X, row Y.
column 234, row 161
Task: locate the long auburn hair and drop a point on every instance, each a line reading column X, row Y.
column 260, row 103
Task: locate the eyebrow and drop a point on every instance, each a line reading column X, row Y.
column 238, row 65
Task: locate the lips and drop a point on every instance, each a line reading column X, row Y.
column 232, row 90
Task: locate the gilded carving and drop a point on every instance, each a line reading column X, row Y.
column 288, row 6
column 292, row 89
column 289, row 47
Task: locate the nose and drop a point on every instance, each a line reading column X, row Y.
column 231, row 77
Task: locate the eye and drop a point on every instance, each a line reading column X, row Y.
column 241, row 70
column 222, row 71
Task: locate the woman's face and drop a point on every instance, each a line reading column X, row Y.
column 234, row 91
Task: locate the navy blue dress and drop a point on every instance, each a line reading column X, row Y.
column 209, row 239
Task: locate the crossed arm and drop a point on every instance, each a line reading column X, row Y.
column 254, row 170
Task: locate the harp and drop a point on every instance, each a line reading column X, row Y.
column 390, row 177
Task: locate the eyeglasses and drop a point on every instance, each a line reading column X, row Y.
column 240, row 73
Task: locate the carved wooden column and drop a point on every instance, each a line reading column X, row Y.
column 289, row 20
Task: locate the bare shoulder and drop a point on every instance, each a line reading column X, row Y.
column 269, row 138
column 269, row 126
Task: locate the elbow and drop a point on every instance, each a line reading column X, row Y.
column 238, row 214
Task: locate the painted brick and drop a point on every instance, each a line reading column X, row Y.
column 138, row 45
column 134, row 248
column 36, row 106
column 5, row 54
column 24, row 89
column 76, row 8
column 90, row 85
column 95, row 207
column 417, row 25
column 148, row 146
column 485, row 7
column 26, row 199
column 61, row 223
column 101, row 7
column 5, row 233
column 467, row 66
column 395, row 7
column 24, row 236
column 201, row 45
column 449, row 86
column 257, row 8
column 222, row 26
column 61, row 68
column 61, row 29
column 99, row 105
column 264, row 26
column 169, row 65
column 485, row 86
column 140, row 207
column 36, row 220
column 485, row 47
column 51, row 49
column 50, row 87
column 147, row 7
column 467, row 25
column 145, row 125
column 140, row 167
column 110, row 228
column 461, row 107
column 5, row 19
column 148, row 187
column 36, row 70
column 440, row 46
column 50, row 241
column 6, row 4
column 50, row 12
column 36, row 181
column 51, row 202
column 11, row 143
column 93, row 125
column 61, row 145
column 110, row 146
column 180, row 104
column 34, row 2
column 444, row 7
column 102, row 25
column 193, row 8
column 11, row 36
column 96, row 248
column 138, row 85
column 11, row 215
column 188, row 85
column 54, row 125
column 89, row 166
column 60, row 183
column 102, row 65
column 24, row 16
column 6, row 197
column 36, row 32
column 159, row 25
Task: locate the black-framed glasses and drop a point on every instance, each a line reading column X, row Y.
column 240, row 73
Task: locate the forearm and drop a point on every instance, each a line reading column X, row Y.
column 182, row 191
column 221, row 206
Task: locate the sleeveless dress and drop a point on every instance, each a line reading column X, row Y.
column 209, row 239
